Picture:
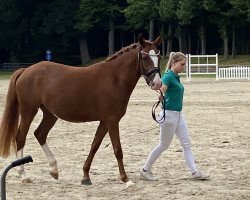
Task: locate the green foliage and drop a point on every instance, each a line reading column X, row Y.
column 226, row 13
column 238, row 60
column 187, row 10
column 138, row 13
column 167, row 9
column 96, row 13
column 29, row 27
column 59, row 17
column 5, row 75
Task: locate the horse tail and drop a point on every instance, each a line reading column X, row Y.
column 10, row 120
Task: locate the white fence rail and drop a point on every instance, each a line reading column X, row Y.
column 208, row 64
column 201, row 64
column 238, row 72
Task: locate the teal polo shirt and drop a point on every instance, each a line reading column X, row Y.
column 174, row 94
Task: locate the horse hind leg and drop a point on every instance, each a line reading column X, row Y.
column 41, row 134
column 100, row 133
column 25, row 121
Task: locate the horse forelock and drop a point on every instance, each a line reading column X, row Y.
column 122, row 51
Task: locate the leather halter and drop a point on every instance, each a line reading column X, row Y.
column 148, row 75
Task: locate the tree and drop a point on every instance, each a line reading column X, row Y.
column 27, row 31
column 139, row 13
column 228, row 15
column 218, row 15
column 167, row 9
column 13, row 28
column 93, row 15
column 238, row 17
column 192, row 12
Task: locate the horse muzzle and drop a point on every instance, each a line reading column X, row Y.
column 156, row 82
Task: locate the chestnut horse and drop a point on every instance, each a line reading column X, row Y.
column 99, row 92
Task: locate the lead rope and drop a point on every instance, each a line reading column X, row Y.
column 162, row 119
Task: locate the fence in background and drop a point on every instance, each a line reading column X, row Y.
column 201, row 64
column 11, row 67
column 237, row 72
column 208, row 64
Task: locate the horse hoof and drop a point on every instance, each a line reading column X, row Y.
column 26, row 180
column 54, row 175
column 129, row 184
column 86, row 182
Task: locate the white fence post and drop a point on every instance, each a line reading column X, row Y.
column 217, row 67
column 187, row 69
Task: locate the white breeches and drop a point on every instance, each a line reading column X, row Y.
column 174, row 123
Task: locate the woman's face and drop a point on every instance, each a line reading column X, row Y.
column 179, row 65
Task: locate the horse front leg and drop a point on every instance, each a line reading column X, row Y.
column 100, row 133
column 115, row 139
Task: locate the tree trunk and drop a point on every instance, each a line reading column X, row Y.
column 169, row 39
column 84, row 49
column 233, row 43
column 225, row 39
column 198, row 47
column 162, row 41
column 151, row 30
column 189, row 42
column 203, row 40
column 122, row 42
column 182, row 40
column 111, row 37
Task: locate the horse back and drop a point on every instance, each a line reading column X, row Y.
column 71, row 93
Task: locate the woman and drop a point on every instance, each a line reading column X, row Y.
column 174, row 122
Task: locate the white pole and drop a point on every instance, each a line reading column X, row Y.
column 189, row 66
column 217, row 67
column 248, row 73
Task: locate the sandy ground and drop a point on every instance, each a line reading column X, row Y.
column 218, row 115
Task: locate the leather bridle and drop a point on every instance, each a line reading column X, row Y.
column 149, row 75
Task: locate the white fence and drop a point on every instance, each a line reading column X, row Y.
column 238, row 72
column 201, row 64
column 208, row 64
column 11, row 67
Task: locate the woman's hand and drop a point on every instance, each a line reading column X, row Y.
column 161, row 98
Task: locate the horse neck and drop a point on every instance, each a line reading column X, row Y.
column 128, row 71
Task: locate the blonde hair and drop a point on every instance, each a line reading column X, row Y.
column 174, row 56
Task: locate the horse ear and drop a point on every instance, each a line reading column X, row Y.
column 157, row 41
column 141, row 40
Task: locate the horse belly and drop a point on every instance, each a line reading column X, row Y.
column 73, row 111
column 86, row 110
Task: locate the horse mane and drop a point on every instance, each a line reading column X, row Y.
column 123, row 50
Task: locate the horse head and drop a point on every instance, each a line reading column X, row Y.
column 149, row 60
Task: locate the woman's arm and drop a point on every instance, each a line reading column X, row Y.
column 163, row 90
